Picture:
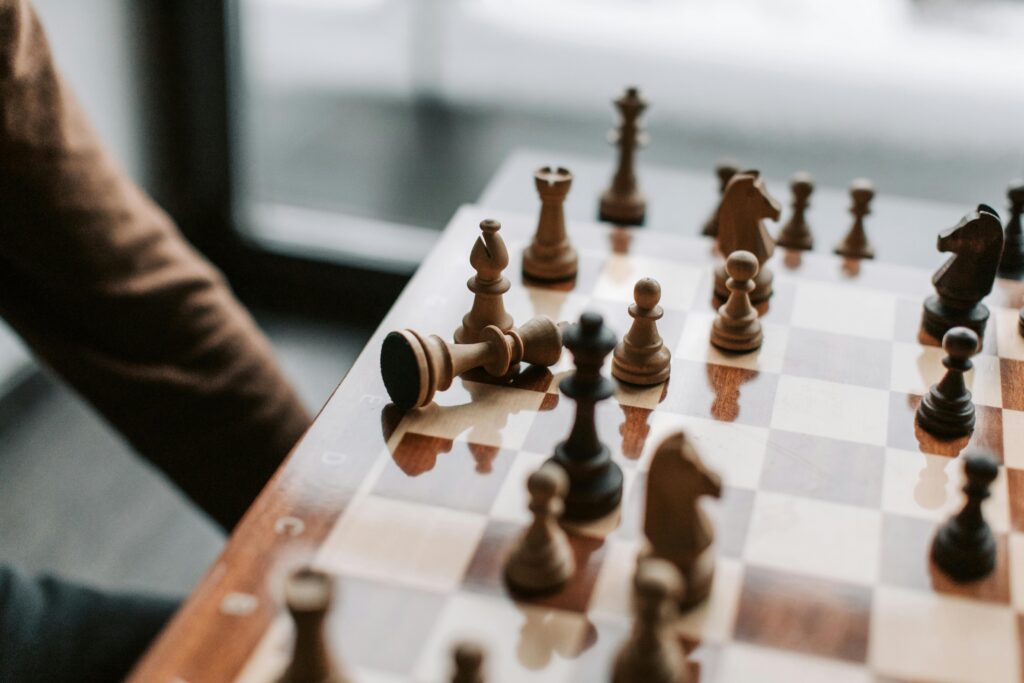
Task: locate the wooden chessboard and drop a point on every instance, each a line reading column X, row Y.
column 831, row 497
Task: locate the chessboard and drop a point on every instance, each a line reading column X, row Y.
column 831, row 493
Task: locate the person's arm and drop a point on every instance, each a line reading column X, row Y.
column 107, row 292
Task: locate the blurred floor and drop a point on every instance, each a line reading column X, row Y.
column 75, row 500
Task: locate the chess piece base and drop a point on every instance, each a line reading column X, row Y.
column 595, row 485
column 944, row 417
column 747, row 336
column 865, row 251
column 561, row 264
column 533, row 573
column 937, row 318
column 763, row 288
column 802, row 241
column 964, row 556
column 654, row 369
column 627, row 210
column 1020, row 323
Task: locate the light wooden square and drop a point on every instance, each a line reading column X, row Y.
column 1009, row 342
column 740, row 662
column 807, row 536
column 837, row 411
column 917, row 635
column 841, row 309
column 679, row 281
column 1013, row 438
column 695, row 344
column 406, row 543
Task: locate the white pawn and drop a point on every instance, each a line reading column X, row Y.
column 737, row 327
column 652, row 654
column 641, row 357
column 542, row 560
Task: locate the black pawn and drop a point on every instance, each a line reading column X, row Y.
column 796, row 234
column 595, row 482
column 964, row 547
column 947, row 410
column 1012, row 262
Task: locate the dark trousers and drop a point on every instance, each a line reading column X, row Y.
column 107, row 293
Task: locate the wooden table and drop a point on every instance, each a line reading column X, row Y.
column 833, row 612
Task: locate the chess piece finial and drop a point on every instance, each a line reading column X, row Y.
column 856, row 245
column 595, row 481
column 1011, row 265
column 677, row 528
column 642, row 357
column 947, row 410
column 966, row 278
column 488, row 258
column 416, row 366
column 724, row 171
column 651, row 654
column 737, row 326
column 468, row 660
column 542, row 560
column 550, row 256
column 623, row 202
column 741, row 227
column 964, row 547
column 308, row 595
column 796, row 233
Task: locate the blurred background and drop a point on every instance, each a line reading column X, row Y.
column 314, row 148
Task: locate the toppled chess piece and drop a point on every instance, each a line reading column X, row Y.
column 308, row 593
column 744, row 207
column 725, row 170
column 1011, row 264
column 856, row 245
column 595, row 481
column 642, row 357
column 468, row 661
column 415, row 366
column 947, row 410
column 550, row 256
column 488, row 258
column 796, row 233
column 964, row 547
column 675, row 525
column 542, row 559
column 966, row 277
column 737, row 326
column 651, row 653
column 623, row 202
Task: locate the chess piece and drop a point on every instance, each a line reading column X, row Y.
column 855, row 245
column 967, row 277
column 651, row 653
column 737, row 326
column 595, row 481
column 947, row 410
column 675, row 525
column 308, row 594
column 622, row 202
column 741, row 226
column 468, row 659
column 416, row 366
column 550, row 256
column 725, row 170
column 641, row 357
column 1020, row 322
column 964, row 547
column 796, row 234
column 1012, row 262
column 488, row 258
column 542, row 560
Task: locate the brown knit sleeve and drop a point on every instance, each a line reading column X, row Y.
column 107, row 292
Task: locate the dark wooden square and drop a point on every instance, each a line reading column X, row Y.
column 804, row 614
column 1011, row 373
